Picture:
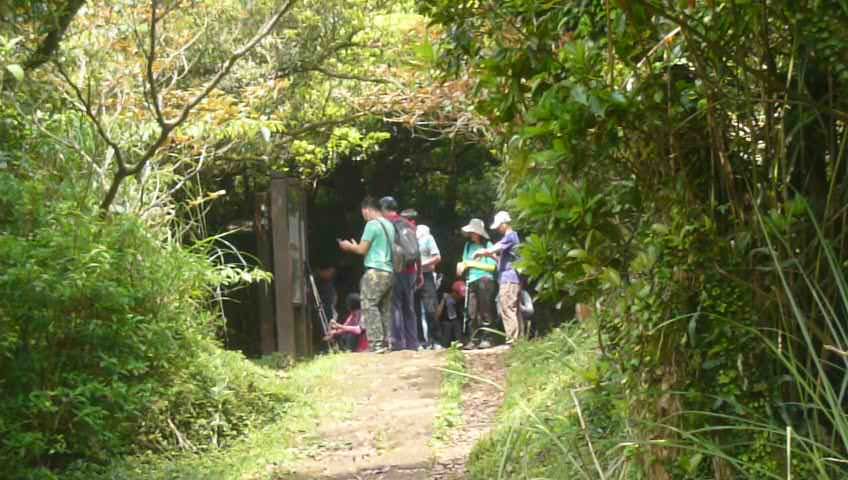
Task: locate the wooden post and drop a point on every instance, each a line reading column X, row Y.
column 265, row 291
column 291, row 306
column 284, row 315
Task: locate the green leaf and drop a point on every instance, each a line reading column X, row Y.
column 16, row 71
column 596, row 107
column 577, row 253
column 693, row 325
column 694, row 461
column 612, row 277
column 425, row 52
column 617, row 98
column 578, row 94
column 659, row 228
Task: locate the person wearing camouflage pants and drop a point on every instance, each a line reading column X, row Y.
column 375, row 289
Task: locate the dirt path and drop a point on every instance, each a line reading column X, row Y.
column 386, row 428
column 480, row 404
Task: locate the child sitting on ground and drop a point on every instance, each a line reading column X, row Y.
column 351, row 336
column 450, row 312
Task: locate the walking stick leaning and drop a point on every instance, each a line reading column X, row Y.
column 322, row 315
column 465, row 317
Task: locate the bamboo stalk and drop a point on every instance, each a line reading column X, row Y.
column 788, row 453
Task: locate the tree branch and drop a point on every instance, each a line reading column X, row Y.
column 152, row 89
column 87, row 109
column 168, row 126
column 54, row 37
column 349, row 76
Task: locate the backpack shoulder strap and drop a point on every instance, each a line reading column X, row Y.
column 388, row 242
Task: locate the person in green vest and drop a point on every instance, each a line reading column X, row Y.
column 481, row 286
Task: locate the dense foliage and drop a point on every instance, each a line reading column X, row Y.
column 682, row 166
column 108, row 339
column 114, row 116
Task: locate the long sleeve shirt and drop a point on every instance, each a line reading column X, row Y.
column 353, row 326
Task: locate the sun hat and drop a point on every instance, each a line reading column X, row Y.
column 500, row 218
column 476, row 226
column 421, row 231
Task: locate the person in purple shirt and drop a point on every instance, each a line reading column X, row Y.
column 510, row 283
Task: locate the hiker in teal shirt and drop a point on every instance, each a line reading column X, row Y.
column 375, row 289
column 379, row 232
column 480, row 283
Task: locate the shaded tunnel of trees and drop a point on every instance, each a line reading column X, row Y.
column 446, row 182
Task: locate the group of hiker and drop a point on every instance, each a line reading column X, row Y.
column 398, row 307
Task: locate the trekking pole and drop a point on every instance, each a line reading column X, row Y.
column 322, row 315
column 465, row 315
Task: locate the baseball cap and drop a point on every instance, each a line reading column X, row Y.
column 388, row 203
column 501, row 218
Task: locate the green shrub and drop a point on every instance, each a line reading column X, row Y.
column 107, row 344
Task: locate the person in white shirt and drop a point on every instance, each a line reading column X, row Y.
column 426, row 297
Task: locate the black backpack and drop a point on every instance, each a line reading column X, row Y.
column 405, row 249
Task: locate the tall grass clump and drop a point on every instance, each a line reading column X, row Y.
column 562, row 415
column 799, row 429
column 449, row 416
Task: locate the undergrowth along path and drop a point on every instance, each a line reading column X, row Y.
column 382, row 424
column 482, row 397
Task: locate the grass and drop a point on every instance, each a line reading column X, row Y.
column 265, row 451
column 551, row 382
column 449, row 416
column 565, row 415
column 803, row 434
column 810, row 439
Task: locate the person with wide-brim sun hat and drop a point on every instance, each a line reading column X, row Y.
column 480, row 285
column 509, row 282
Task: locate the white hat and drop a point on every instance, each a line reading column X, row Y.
column 500, row 218
column 476, row 226
column 421, row 231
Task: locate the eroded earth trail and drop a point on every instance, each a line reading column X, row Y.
column 381, row 427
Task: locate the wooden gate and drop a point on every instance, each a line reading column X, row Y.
column 282, row 307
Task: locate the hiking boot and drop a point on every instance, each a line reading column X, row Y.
column 485, row 344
